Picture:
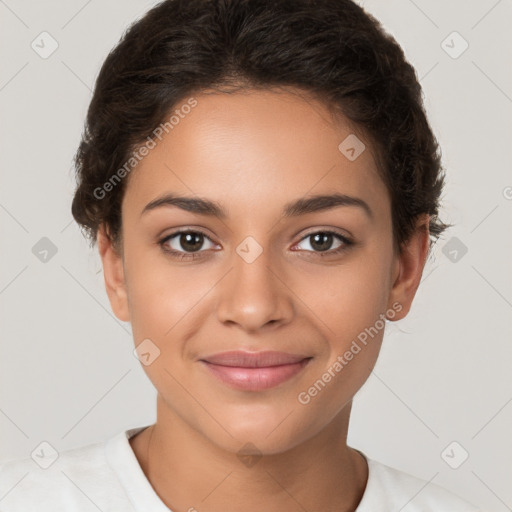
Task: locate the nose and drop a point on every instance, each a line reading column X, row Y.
column 254, row 295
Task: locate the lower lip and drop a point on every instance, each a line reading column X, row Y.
column 255, row 379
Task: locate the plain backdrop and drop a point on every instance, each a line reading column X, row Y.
column 442, row 386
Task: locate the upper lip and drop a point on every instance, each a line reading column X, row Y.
column 253, row 359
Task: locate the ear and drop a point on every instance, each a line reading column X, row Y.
column 113, row 273
column 408, row 267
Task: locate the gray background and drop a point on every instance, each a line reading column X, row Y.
column 68, row 375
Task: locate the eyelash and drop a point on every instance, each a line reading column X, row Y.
column 192, row 256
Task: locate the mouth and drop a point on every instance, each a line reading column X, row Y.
column 254, row 371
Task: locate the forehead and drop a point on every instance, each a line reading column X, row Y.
column 254, row 148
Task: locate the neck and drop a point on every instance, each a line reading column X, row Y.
column 189, row 472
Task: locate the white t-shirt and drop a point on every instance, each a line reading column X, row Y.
column 106, row 476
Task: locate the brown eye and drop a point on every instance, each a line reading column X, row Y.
column 323, row 242
column 185, row 242
column 190, row 241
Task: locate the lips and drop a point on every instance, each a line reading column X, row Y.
column 254, row 359
column 254, row 371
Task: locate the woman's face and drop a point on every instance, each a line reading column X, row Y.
column 273, row 269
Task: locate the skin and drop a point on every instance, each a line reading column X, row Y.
column 253, row 152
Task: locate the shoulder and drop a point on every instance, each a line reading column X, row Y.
column 389, row 489
column 58, row 481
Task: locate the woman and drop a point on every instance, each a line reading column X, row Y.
column 263, row 186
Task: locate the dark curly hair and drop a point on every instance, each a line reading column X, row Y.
column 331, row 49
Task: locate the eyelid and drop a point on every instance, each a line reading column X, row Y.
column 345, row 242
column 163, row 240
column 327, row 229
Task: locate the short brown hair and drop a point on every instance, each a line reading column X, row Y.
column 331, row 49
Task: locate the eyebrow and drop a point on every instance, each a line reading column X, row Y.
column 296, row 208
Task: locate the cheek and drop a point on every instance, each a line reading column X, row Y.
column 352, row 308
column 160, row 293
column 348, row 297
column 350, row 300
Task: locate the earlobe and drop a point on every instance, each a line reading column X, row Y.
column 409, row 268
column 113, row 273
